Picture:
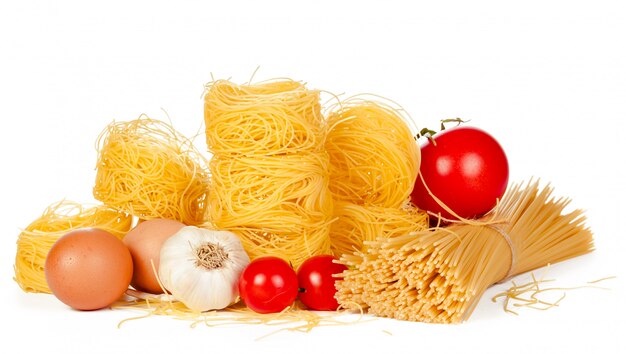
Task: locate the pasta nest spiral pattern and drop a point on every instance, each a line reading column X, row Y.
column 374, row 157
column 149, row 170
column 271, row 118
column 374, row 163
column 269, row 170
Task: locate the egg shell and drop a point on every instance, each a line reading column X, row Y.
column 144, row 242
column 88, row 269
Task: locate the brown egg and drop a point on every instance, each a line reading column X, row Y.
column 144, row 243
column 88, row 269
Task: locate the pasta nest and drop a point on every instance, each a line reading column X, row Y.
column 149, row 170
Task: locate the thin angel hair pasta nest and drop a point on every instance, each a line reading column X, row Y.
column 35, row 241
column 269, row 170
column 374, row 157
column 278, row 205
column 439, row 275
column 374, row 163
column 269, row 118
column 149, row 170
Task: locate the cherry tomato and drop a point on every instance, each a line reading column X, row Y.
column 317, row 283
column 268, row 284
column 466, row 168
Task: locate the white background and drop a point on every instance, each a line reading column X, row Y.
column 548, row 79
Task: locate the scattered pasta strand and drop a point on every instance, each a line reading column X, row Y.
column 149, row 170
column 269, row 170
column 34, row 243
column 294, row 318
column 527, row 295
column 601, row 279
column 439, row 275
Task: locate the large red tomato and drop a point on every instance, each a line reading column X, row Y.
column 466, row 168
column 268, row 284
column 315, row 277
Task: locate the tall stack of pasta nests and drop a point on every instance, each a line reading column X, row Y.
column 374, row 165
column 269, row 169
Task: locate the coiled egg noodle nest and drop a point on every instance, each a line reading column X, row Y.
column 278, row 205
column 149, row 170
column 36, row 240
column 269, row 170
column 374, row 156
column 275, row 117
column 374, row 163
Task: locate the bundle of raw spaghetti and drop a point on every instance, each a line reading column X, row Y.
column 58, row 219
column 374, row 157
column 439, row 275
column 149, row 170
column 269, row 171
column 374, row 163
column 357, row 224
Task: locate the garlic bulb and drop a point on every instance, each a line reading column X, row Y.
column 201, row 267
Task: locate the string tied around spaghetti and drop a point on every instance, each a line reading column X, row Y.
column 492, row 223
column 508, row 240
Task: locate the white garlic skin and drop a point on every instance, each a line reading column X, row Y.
column 199, row 288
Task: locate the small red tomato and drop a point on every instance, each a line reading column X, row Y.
column 268, row 284
column 466, row 168
column 316, row 280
